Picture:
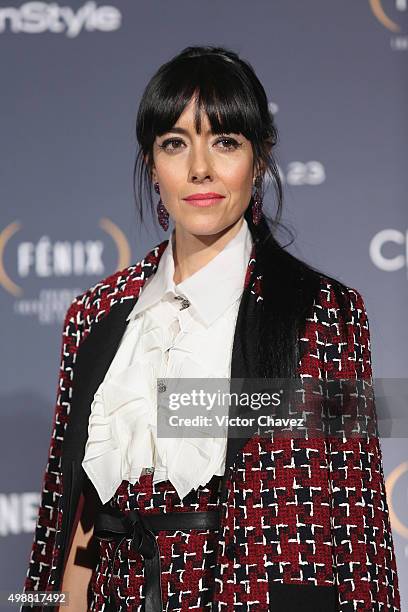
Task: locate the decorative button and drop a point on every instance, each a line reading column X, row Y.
column 161, row 386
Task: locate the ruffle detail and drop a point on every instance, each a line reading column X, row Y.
column 122, row 428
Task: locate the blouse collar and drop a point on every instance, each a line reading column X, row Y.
column 222, row 277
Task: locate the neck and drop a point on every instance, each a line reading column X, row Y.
column 191, row 252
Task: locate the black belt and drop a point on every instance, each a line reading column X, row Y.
column 111, row 524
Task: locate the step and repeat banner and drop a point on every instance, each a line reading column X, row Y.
column 71, row 80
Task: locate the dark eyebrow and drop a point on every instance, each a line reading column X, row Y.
column 180, row 130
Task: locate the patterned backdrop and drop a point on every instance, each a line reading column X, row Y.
column 71, row 80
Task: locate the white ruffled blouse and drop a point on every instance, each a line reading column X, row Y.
column 166, row 337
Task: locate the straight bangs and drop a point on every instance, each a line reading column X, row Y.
column 220, row 91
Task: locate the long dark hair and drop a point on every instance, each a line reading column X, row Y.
column 234, row 100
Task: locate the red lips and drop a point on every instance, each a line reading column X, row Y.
column 204, row 196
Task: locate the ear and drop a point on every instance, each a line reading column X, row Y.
column 269, row 143
column 258, row 171
column 255, row 172
column 153, row 170
column 261, row 167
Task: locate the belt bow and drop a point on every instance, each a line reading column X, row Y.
column 112, row 525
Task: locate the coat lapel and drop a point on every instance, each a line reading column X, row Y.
column 94, row 357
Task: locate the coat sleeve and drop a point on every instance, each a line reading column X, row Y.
column 48, row 517
column 363, row 550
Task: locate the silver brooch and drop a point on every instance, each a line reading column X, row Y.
column 184, row 301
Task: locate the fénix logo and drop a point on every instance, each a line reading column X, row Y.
column 40, row 17
column 44, row 258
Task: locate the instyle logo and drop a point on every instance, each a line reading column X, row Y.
column 40, row 17
column 389, row 250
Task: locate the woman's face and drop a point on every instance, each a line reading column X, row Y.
column 186, row 164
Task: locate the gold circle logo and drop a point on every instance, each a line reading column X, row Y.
column 377, row 8
column 391, row 481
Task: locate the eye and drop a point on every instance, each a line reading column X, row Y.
column 170, row 141
column 172, row 144
column 230, row 143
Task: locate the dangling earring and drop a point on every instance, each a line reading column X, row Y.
column 257, row 204
column 162, row 212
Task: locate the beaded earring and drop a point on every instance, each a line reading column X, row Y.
column 257, row 203
column 162, row 212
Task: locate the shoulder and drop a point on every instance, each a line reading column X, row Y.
column 338, row 305
column 89, row 307
column 341, row 325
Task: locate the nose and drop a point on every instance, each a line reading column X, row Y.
column 200, row 167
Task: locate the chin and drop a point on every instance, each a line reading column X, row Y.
column 205, row 227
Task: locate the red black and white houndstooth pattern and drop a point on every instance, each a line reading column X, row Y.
column 311, row 512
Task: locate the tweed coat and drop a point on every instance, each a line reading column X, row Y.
column 303, row 522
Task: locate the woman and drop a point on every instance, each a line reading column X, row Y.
column 131, row 522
